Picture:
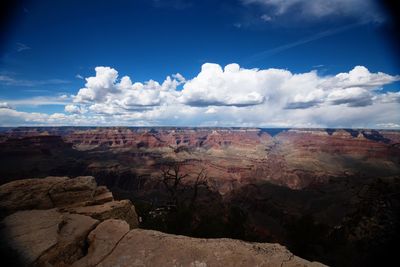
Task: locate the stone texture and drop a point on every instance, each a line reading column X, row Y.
column 44, row 237
column 73, row 191
column 50, row 192
column 27, row 194
column 151, row 248
column 71, row 240
column 123, row 210
column 88, row 228
column 31, row 233
column 77, row 195
column 102, row 241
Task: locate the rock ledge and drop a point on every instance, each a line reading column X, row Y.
column 58, row 221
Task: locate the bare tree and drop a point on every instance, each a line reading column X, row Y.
column 172, row 178
column 201, row 180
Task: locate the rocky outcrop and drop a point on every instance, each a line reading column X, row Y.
column 64, row 222
column 77, row 195
column 27, row 194
column 47, row 237
column 150, row 248
column 115, row 209
column 102, row 241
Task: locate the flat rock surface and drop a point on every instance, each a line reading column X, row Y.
column 27, row 194
column 73, row 191
column 123, row 210
column 45, row 237
column 79, row 195
column 102, row 241
column 58, row 221
column 32, row 232
column 150, row 248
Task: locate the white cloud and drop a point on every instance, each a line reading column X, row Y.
column 389, row 97
column 97, row 87
column 21, row 47
column 8, row 80
column 362, row 10
column 360, row 76
column 40, row 101
column 352, row 96
column 75, row 109
column 5, row 105
column 229, row 87
column 229, row 96
column 266, row 17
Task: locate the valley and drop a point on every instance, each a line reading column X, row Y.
column 329, row 195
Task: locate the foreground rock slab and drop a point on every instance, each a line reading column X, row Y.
column 123, row 210
column 58, row 221
column 79, row 195
column 151, row 248
column 102, row 241
column 47, row 237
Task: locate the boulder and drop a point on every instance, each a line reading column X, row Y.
column 51, row 192
column 27, row 194
column 47, row 237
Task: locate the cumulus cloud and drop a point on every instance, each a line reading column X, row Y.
column 228, row 96
column 229, row 87
column 75, row 109
column 104, row 93
column 5, row 105
column 352, row 96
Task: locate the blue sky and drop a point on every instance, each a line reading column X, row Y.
column 50, row 47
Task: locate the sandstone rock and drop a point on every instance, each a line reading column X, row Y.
column 102, row 241
column 71, row 239
column 101, row 195
column 73, row 191
column 123, row 210
column 59, row 236
column 27, row 194
column 31, row 233
column 47, row 237
column 78, row 195
column 151, row 248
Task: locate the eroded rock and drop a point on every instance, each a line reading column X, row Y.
column 73, row 191
column 27, row 194
column 87, row 227
column 47, row 237
column 123, row 210
column 102, row 241
column 31, row 233
column 150, row 248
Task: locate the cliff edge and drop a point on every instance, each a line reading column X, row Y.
column 58, row 221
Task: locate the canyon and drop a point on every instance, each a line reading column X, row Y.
column 329, row 195
column 58, row 221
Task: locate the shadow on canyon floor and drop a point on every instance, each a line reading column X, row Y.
column 351, row 220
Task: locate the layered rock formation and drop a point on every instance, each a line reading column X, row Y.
column 59, row 221
column 233, row 157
